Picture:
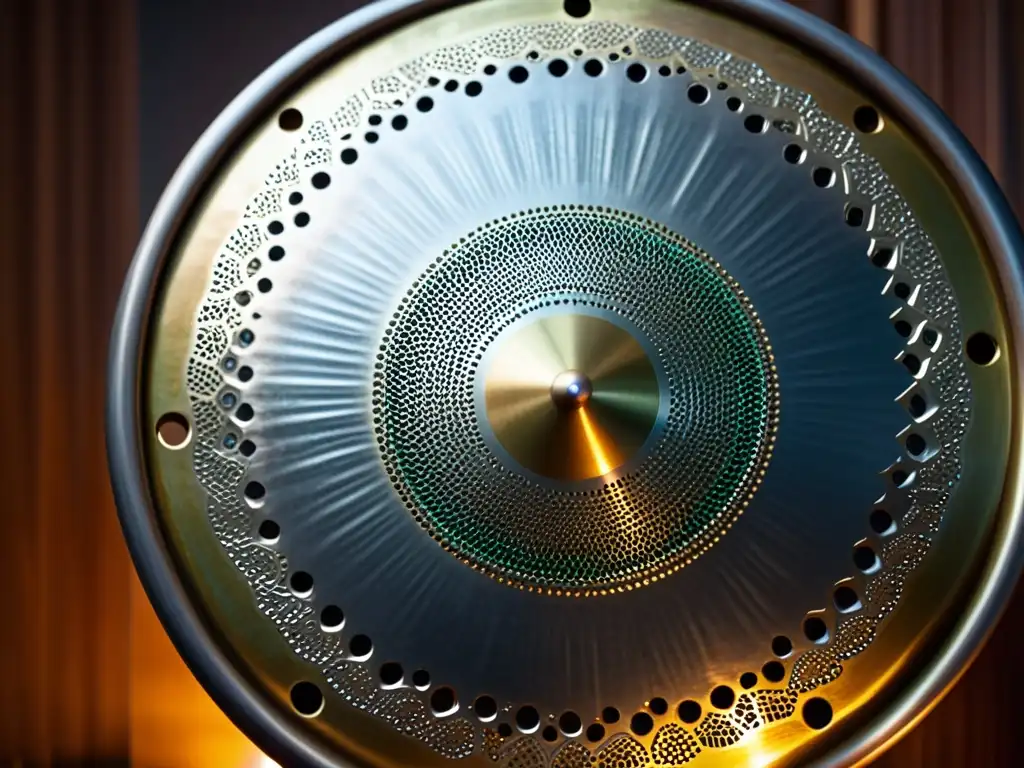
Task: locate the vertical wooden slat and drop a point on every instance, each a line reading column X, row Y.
column 68, row 222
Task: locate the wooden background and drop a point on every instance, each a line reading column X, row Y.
column 87, row 677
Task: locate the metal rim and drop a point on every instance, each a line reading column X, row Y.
column 193, row 638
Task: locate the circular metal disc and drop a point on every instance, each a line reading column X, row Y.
column 572, row 384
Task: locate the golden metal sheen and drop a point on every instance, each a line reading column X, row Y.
column 572, row 397
column 568, row 436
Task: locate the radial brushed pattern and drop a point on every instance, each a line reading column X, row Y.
column 642, row 148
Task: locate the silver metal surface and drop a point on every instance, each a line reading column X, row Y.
column 826, row 308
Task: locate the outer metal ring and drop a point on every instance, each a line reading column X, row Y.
column 193, row 635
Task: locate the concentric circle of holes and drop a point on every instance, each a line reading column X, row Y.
column 982, row 349
column 846, row 599
column 782, row 646
column 610, row 715
column 595, row 732
column 486, row 708
column 576, row 8
column 332, row 618
column 817, row 713
column 815, row 630
column 658, row 705
column 689, row 711
column 290, row 119
column 443, row 701
column 173, row 430
column 527, row 719
column 361, row 647
column 306, row 699
column 269, row 532
column 773, row 671
column 867, row 120
column 301, row 584
column 641, row 724
column 722, row 697
column 748, row 680
column 570, row 724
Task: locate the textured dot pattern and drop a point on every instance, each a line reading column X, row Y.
column 722, row 413
column 674, row 745
column 220, row 318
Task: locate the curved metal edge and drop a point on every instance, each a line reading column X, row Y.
column 999, row 226
column 238, row 696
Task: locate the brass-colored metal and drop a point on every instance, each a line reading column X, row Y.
column 572, row 396
column 979, row 516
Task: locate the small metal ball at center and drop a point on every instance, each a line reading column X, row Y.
column 571, row 389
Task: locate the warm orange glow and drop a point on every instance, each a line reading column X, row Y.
column 594, row 443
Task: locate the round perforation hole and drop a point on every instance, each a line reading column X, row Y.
column 658, row 705
column 865, row 559
column 443, row 701
column 255, row 493
column 794, row 154
column 486, row 708
column 817, row 713
column 290, row 120
column 550, row 733
column 689, row 711
column 391, row 674
column 982, row 349
column 301, row 584
column 576, row 8
column 306, row 699
column 773, row 671
column 755, row 123
column 558, row 67
column 782, row 646
column 846, row 600
column 332, row 618
column 610, row 715
column 641, row 724
column 361, row 647
column 528, row 719
column 748, row 680
column 698, row 94
column 824, row 177
column 269, row 531
column 173, row 430
column 593, row 67
column 816, row 630
column 421, row 679
column 595, row 732
column 867, row 120
column 570, row 724
column 722, row 697
column 636, row 72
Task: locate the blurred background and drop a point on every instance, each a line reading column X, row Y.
column 99, row 101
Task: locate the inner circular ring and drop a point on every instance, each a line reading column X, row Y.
column 571, row 396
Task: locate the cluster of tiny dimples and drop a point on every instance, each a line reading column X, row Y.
column 698, row 476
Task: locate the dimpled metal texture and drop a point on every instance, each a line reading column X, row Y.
column 282, row 365
column 696, row 478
